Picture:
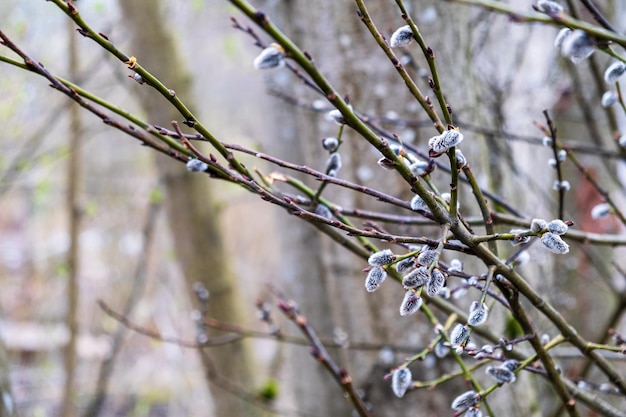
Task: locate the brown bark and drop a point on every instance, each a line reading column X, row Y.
column 193, row 211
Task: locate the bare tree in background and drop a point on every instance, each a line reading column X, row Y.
column 490, row 96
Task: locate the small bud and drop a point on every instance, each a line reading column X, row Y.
column 427, row 256
column 519, row 238
column 336, row 116
column 546, row 141
column 455, row 266
column 561, row 155
column 461, row 160
column 418, row 204
column 554, row 243
column 614, row 72
column 561, row 185
column 386, row 164
column 322, row 210
column 138, row 78
column 270, row 57
column 558, row 227
column 545, row 338
column 330, row 144
column 487, row 349
column 608, row 99
column 459, row 335
column 477, row 314
column 401, row 381
column 419, row 168
column 436, row 282
column 549, row 7
column 578, row 46
column 510, row 364
column 441, row 349
column 374, row 278
column 601, row 210
column 466, row 400
column 500, row 374
column 552, row 162
column 334, row 163
column 402, row 36
column 537, row 225
column 622, row 141
column 410, row 304
column 416, row 278
column 474, row 412
column 381, row 258
column 196, row 165
column 560, row 37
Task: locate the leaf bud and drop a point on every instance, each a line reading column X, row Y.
column 419, row 168
column 418, row 204
column 427, row 256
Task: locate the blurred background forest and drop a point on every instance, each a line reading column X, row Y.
column 86, row 214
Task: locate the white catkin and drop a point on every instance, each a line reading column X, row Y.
column 537, row 225
column 374, row 278
column 196, row 165
column 549, row 7
column 601, row 210
column 560, row 37
column 614, row 72
column 436, row 282
column 558, row 227
column 458, row 335
column 466, row 400
column 501, row 374
column 381, row 258
column 410, row 303
column 270, row 57
column 478, row 314
column 406, row 265
column 608, row 99
column 401, row 381
column 578, row 46
column 554, row 243
column 402, row 36
column 416, row 278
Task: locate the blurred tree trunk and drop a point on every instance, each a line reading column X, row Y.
column 325, row 280
column 192, row 209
